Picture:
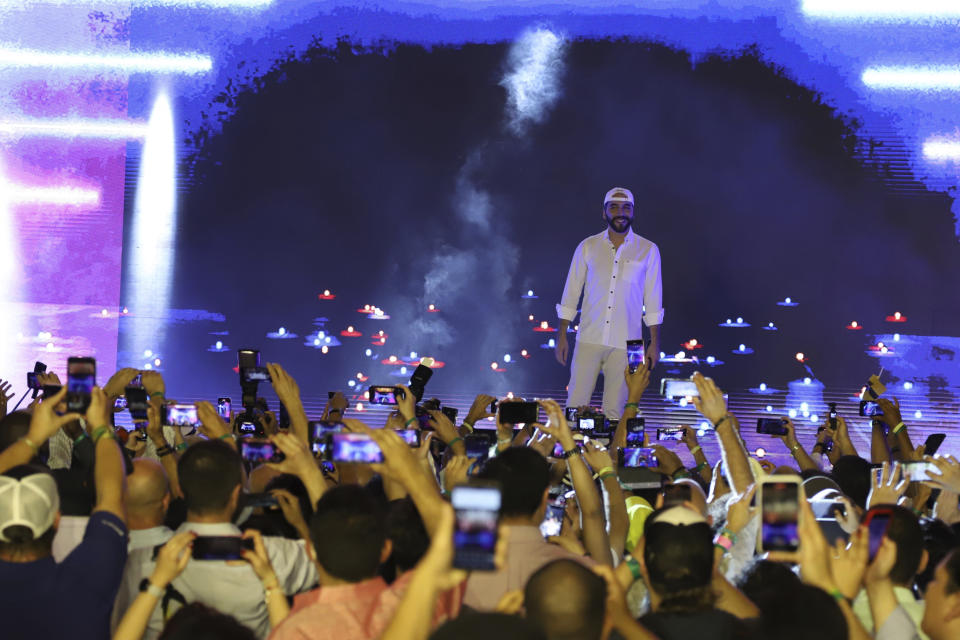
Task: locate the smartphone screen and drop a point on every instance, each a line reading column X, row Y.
column 477, row 445
column 382, row 395
column 553, row 519
column 878, row 520
column 224, row 406
column 634, row 354
column 570, row 413
column 182, row 415
column 259, row 500
column 137, row 403
column 772, row 426
column 635, row 427
column 256, row 374
column 586, row 424
column 410, row 436
column 32, row 382
column 678, row 388
column 220, row 547
column 354, row 447
column 870, row 409
column 475, row 536
column 638, row 457
column 780, row 507
column 258, row 451
column 81, row 379
column 670, row 433
column 919, row 471
column 319, row 429
column 518, row 412
column 120, row 403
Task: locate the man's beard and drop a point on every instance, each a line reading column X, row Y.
column 619, row 224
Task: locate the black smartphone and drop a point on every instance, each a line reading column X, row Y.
column 772, row 426
column 832, row 415
column 259, row 500
column 51, row 390
column 634, row 354
column 932, row 443
column 382, row 395
column 780, row 510
column 518, row 412
column 137, row 403
column 81, row 379
column 220, row 547
column 410, row 436
column 224, row 407
column 181, row 414
column 870, row 409
column 587, row 424
column 256, row 374
column 477, row 508
column 877, row 522
column 353, row 447
column 493, row 407
column 258, row 451
column 570, row 413
column 635, row 427
column 477, row 445
column 32, row 382
column 451, row 413
column 673, row 434
column 283, row 418
column 634, row 457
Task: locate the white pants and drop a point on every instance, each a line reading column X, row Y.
column 588, row 361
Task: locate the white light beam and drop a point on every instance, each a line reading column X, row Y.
column 157, row 62
column 74, row 196
column 882, row 10
column 74, row 128
column 941, row 149
column 913, row 78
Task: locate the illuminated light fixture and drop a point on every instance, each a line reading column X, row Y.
column 885, row 10
column 200, row 4
column 74, row 196
column 159, row 62
column 940, row 149
column 75, row 128
column 916, row 78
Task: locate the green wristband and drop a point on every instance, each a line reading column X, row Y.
column 458, row 438
column 631, row 404
column 634, row 567
column 79, row 438
column 225, row 437
column 157, row 393
column 100, row 432
column 703, row 465
column 410, row 422
column 181, row 447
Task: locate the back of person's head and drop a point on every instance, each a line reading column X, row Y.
column 405, row 529
column 804, row 612
column 567, row 601
column 209, row 472
column 148, row 494
column 523, row 475
column 852, row 474
column 348, row 531
column 295, row 487
column 938, row 540
column 766, row 583
column 905, row 531
column 13, row 426
column 197, row 621
column 488, row 626
column 29, row 505
column 678, row 556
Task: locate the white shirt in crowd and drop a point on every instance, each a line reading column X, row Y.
column 620, row 287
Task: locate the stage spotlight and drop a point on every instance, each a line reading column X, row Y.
column 916, row 78
column 940, row 149
column 159, row 62
column 882, row 10
column 100, row 128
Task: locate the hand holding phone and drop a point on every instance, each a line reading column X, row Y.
column 260, row 451
column 772, row 426
column 382, row 395
column 634, row 354
column 220, row 547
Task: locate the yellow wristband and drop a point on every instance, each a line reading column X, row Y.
column 900, row 427
column 693, row 451
column 30, row 443
column 603, row 471
column 100, row 432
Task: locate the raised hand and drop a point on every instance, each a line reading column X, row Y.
column 442, row 425
column 259, row 559
column 891, row 487
column 153, row 382
column 172, row 559
column 891, row 412
column 406, row 403
column 637, row 382
column 98, row 413
column 211, row 424
column 4, row 396
column 668, row 463
column 710, row 401
column 478, row 410
column 739, row 511
column 949, row 472
column 119, row 381
column 597, row 456
column 556, row 425
column 44, row 422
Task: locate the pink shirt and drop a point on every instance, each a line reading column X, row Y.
column 358, row 611
column 527, row 551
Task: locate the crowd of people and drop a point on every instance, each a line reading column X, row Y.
column 161, row 534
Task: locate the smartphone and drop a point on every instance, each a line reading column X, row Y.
column 670, row 433
column 353, row 447
column 181, row 415
column 283, row 418
column 137, row 403
column 634, row 354
column 877, row 523
column 870, row 409
column 253, row 450
column 570, row 413
column 518, row 412
column 81, row 379
column 493, row 407
column 634, row 457
column 451, row 413
column 318, row 429
column 832, row 414
column 932, row 443
column 919, row 471
column 382, row 395
column 51, row 390
column 553, row 519
column 676, row 494
column 586, row 424
column 477, row 445
column 224, row 406
column 256, row 374
column 772, row 426
column 779, row 498
column 635, row 427
column 259, row 500
column 32, row 382
column 410, row 436
column 678, row 388
column 220, row 547
column 477, row 508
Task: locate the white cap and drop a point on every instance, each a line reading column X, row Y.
column 618, row 194
column 680, row 515
column 31, row 502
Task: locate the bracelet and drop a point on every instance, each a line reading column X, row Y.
column 154, row 590
column 723, row 542
column 30, row 443
column 79, row 438
column 633, row 565
column 900, row 427
column 224, row 437
column 721, row 420
column 569, row 454
column 457, row 439
column 269, row 591
column 727, row 533
column 680, row 473
column 795, row 448
column 181, row 447
column 164, row 451
column 703, row 465
column 603, row 471
column 609, row 474
column 695, row 449
column 100, row 432
column 468, row 425
column 838, row 595
column 406, row 425
column 635, row 405
column 156, row 393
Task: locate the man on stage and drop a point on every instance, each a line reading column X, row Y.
column 618, row 272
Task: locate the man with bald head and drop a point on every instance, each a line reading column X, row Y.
column 148, row 497
column 566, row 600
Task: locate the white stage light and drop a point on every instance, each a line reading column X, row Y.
column 888, row 10
column 940, row 149
column 157, row 62
column 21, row 194
column 199, row 4
column 74, row 128
column 913, row 78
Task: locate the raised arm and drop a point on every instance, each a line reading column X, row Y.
column 637, row 383
column 109, row 472
column 43, row 424
column 289, row 393
column 714, row 408
column 796, row 449
column 619, row 522
column 168, row 455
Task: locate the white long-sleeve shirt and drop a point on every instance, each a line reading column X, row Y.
column 620, row 287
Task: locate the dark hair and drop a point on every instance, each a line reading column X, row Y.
column 939, row 540
column 209, row 472
column 852, row 474
column 905, row 531
column 679, row 561
column 804, row 612
column 405, row 529
column 21, row 540
column 483, row 626
column 566, row 600
column 293, row 484
column 348, row 530
column 952, row 567
column 197, row 621
column 767, row 583
column 524, row 476
column 13, row 426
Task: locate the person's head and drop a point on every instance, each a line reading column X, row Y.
column 484, row 626
column 349, row 534
column 675, row 493
column 941, row 614
column 566, row 600
column 405, row 529
column 767, row 583
column 148, row 494
column 211, row 476
column 524, row 478
column 904, row 530
column 801, row 613
column 618, row 209
column 29, row 513
column 938, row 540
column 259, row 477
column 852, row 474
column 13, row 426
column 197, row 621
column 678, row 560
